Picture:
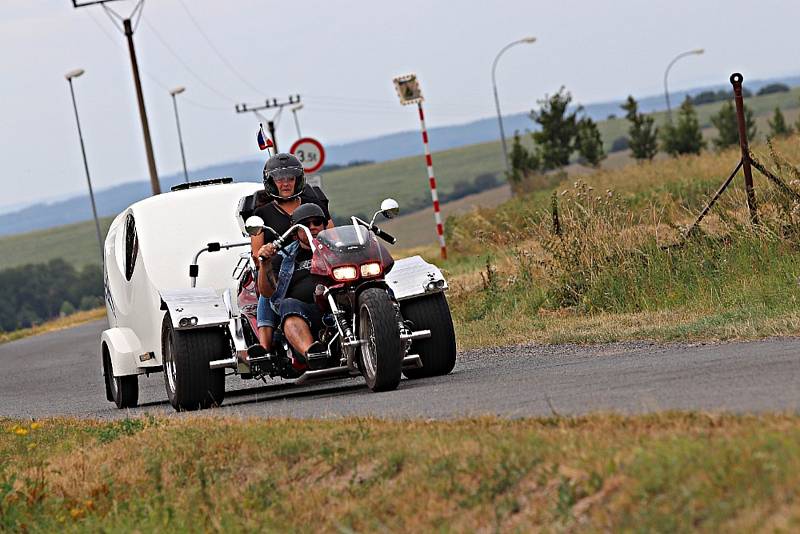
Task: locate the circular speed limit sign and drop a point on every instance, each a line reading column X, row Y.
column 310, row 153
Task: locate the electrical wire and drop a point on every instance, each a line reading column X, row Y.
column 217, row 52
column 185, row 66
column 150, row 75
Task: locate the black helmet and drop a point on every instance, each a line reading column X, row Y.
column 279, row 166
column 307, row 211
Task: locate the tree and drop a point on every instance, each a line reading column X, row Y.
column 728, row 127
column 523, row 163
column 778, row 124
column 684, row 137
column 589, row 142
column 554, row 142
column 773, row 88
column 642, row 132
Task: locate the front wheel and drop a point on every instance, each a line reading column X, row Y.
column 381, row 354
column 189, row 381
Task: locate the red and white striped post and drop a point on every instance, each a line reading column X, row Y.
column 408, row 90
column 432, row 181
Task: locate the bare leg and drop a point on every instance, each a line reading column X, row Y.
column 298, row 333
column 265, row 337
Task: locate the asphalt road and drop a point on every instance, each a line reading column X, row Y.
column 59, row 374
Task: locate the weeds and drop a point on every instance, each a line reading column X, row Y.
column 619, row 248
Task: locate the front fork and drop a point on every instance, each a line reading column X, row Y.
column 350, row 341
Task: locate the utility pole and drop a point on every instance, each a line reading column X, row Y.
column 127, row 28
column 269, row 104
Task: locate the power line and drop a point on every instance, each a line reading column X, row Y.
column 217, row 52
column 149, row 74
column 185, row 66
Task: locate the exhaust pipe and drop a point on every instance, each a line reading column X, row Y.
column 332, row 372
column 223, row 364
column 412, row 361
column 416, row 334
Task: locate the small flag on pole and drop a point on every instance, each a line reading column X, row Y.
column 264, row 142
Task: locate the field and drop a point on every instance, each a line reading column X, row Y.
column 659, row 473
column 360, row 189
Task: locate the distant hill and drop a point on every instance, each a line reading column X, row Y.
column 387, row 147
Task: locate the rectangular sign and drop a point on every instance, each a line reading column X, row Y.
column 408, row 89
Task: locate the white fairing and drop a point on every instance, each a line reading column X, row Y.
column 170, row 229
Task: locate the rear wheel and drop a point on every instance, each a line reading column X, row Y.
column 381, row 355
column 190, row 383
column 122, row 390
column 438, row 352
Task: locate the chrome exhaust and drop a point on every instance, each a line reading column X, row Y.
column 412, row 361
column 331, row 372
column 224, row 363
column 416, row 334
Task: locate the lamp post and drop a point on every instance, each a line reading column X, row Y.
column 174, row 92
column 696, row 52
column 526, row 40
column 69, row 76
column 296, row 123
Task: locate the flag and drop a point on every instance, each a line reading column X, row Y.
column 264, row 142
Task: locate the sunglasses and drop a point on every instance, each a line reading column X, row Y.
column 315, row 221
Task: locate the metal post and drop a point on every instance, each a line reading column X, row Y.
column 148, row 145
column 527, row 40
column 271, row 127
column 174, row 93
column 736, row 81
column 432, row 182
column 86, row 168
column 666, row 74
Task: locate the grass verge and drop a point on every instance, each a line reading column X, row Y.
column 666, row 472
column 61, row 323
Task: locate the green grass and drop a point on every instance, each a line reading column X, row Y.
column 74, row 243
column 662, row 473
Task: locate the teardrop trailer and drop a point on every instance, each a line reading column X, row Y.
column 180, row 299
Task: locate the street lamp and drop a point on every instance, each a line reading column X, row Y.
column 526, row 40
column 177, row 91
column 69, row 76
column 296, row 123
column 696, row 52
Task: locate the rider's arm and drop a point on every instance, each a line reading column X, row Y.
column 256, row 242
column 267, row 278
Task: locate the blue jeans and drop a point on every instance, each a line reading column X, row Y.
column 309, row 312
column 265, row 315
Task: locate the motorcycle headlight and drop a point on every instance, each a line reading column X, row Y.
column 370, row 269
column 345, row 273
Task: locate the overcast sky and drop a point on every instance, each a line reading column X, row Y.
column 341, row 57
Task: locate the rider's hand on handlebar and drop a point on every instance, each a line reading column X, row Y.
column 267, row 251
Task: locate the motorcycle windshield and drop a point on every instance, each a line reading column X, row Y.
column 344, row 238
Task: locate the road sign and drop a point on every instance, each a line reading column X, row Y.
column 310, row 153
column 408, row 89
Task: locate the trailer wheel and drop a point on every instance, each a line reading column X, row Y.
column 438, row 352
column 121, row 390
column 190, row 383
column 381, row 356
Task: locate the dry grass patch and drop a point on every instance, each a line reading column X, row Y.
column 663, row 472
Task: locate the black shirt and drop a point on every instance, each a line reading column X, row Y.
column 280, row 221
column 302, row 284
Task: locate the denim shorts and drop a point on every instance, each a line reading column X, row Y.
column 309, row 312
column 265, row 315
